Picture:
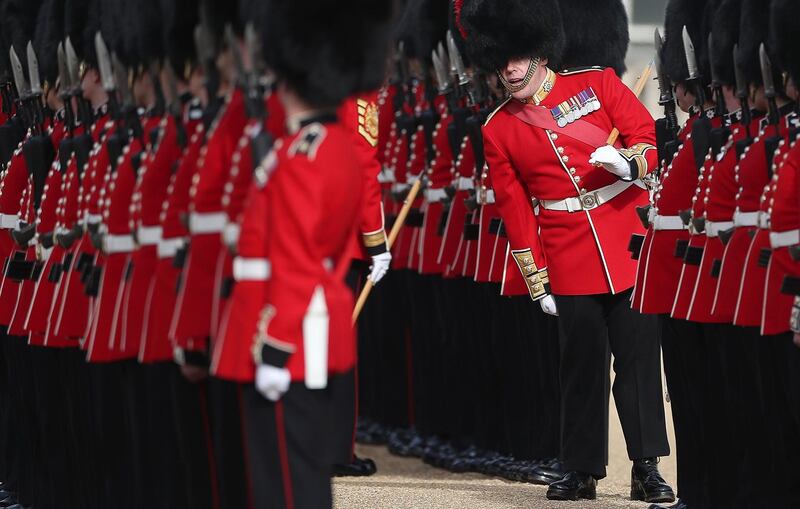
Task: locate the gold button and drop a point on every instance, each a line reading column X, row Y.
column 583, row 191
column 565, row 158
column 560, row 150
column 553, row 136
column 577, row 179
column 572, row 171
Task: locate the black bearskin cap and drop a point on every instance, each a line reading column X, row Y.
column 178, row 20
column 330, row 52
column 596, row 33
column 501, row 30
column 18, row 22
column 753, row 30
column 49, row 33
column 216, row 14
column 149, row 44
column 76, row 14
column 725, row 35
column 784, row 30
column 682, row 13
column 422, row 26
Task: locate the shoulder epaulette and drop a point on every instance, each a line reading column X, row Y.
column 578, row 70
column 496, row 110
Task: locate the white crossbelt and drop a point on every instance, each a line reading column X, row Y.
column 590, row 200
column 167, row 248
column 464, row 183
column 745, row 218
column 661, row 223
column 251, row 269
column 118, row 244
column 435, row 195
column 148, row 235
column 784, row 239
column 399, row 187
column 713, row 228
column 207, row 222
column 763, row 220
column 9, row 221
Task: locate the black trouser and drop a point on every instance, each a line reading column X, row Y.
column 225, row 400
column 592, row 327
column 688, row 372
column 290, row 445
column 194, row 441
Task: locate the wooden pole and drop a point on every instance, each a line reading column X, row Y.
column 398, row 224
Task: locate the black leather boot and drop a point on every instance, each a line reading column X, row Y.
column 546, row 473
column 573, row 486
column 359, row 467
column 647, row 483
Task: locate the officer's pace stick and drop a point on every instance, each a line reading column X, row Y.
column 398, row 224
column 637, row 90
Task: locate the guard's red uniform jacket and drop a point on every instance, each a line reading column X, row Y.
column 17, row 285
column 584, row 250
column 312, row 189
column 784, row 223
column 52, row 253
column 72, row 306
column 749, row 184
column 756, row 192
column 438, row 176
column 162, row 293
column 193, row 311
column 463, row 183
column 659, row 267
column 148, row 197
column 360, row 116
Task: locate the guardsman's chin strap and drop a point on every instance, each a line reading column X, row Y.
column 533, row 64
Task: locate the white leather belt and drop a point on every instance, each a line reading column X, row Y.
column 784, row 239
column 386, row 176
column 167, row 248
column 486, row 196
column 667, row 223
column 714, row 227
column 399, row 187
column 411, row 179
column 93, row 218
column 230, row 234
column 9, row 221
column 207, row 222
column 118, row 244
column 251, row 269
column 148, row 235
column 590, row 200
column 435, row 195
column 465, row 183
column 763, row 220
column 745, row 218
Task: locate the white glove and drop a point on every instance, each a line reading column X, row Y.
column 548, row 304
column 612, row 161
column 380, row 266
column 272, row 382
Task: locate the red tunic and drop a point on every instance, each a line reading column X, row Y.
column 585, row 252
column 312, row 212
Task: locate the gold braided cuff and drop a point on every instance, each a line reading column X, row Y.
column 538, row 280
column 635, row 157
column 375, row 242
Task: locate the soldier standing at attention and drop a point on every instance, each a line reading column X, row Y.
column 567, row 200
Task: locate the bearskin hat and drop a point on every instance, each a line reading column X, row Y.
column 76, row 14
column 328, row 53
column 422, row 26
column 784, row 29
column 596, row 33
column 497, row 31
column 18, row 21
column 178, row 19
column 49, row 33
column 725, row 35
column 753, row 31
column 680, row 13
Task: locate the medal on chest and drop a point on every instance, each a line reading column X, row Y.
column 576, row 107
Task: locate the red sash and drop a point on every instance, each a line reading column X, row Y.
column 538, row 116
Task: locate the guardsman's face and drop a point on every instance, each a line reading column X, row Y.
column 684, row 98
column 515, row 71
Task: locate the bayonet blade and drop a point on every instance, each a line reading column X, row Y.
column 73, row 65
column 104, row 62
column 741, row 84
column 691, row 58
column 120, row 76
column 253, row 47
column 63, row 73
column 238, row 62
column 766, row 72
column 456, row 61
column 440, row 74
column 23, row 89
column 33, row 70
column 663, row 81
